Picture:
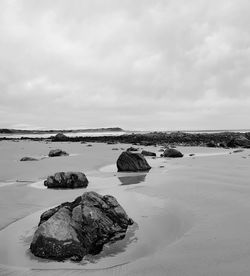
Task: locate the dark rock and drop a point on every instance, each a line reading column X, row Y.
column 173, row 153
column 191, row 154
column 115, row 149
column 133, row 162
column 132, row 149
column 68, row 180
column 237, row 151
column 222, row 145
column 211, row 144
column 81, row 227
column 60, row 137
column 57, row 152
column 89, row 145
column 148, row 153
column 28, row 159
column 240, row 141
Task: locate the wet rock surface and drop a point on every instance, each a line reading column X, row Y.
column 66, row 180
column 132, row 162
column 74, row 229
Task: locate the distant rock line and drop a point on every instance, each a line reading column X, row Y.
column 222, row 139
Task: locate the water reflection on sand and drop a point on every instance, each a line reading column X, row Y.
column 134, row 179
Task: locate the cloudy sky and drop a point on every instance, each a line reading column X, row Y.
column 137, row 64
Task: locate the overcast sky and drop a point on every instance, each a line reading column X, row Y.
column 137, row 64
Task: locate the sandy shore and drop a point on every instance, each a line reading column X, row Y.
column 191, row 213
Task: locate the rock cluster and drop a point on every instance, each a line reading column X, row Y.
column 240, row 141
column 74, row 229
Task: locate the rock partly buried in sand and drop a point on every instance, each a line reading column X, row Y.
column 28, row 159
column 173, row 153
column 132, row 162
column 148, row 153
column 74, row 229
column 57, row 152
column 66, row 180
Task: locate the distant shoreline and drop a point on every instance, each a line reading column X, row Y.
column 30, row 131
column 212, row 139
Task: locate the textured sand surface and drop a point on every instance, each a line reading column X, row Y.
column 192, row 214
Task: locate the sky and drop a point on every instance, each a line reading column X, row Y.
column 136, row 64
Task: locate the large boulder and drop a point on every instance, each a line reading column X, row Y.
column 240, row 141
column 132, row 162
column 74, row 229
column 173, row 153
column 57, row 152
column 66, row 180
column 148, row 153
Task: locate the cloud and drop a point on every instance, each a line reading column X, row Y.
column 137, row 64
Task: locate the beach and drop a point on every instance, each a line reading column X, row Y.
column 190, row 213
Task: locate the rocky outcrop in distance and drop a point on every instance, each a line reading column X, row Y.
column 220, row 139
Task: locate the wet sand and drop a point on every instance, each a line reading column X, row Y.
column 191, row 213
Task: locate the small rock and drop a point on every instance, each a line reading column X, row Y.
column 173, row 153
column 148, row 153
column 28, row 159
column 60, row 137
column 237, row 151
column 57, row 152
column 211, row 144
